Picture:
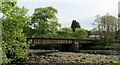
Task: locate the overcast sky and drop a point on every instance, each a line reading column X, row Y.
column 83, row 11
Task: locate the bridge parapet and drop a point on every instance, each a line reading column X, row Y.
column 59, row 41
column 71, row 44
column 49, row 41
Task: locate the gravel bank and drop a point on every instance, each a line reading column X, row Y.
column 70, row 57
column 104, row 52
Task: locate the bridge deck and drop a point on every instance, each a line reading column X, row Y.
column 59, row 41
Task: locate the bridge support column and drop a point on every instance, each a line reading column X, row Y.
column 74, row 46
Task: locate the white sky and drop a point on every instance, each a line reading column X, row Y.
column 83, row 11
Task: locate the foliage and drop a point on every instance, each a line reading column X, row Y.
column 115, row 62
column 118, row 32
column 44, row 22
column 107, row 46
column 6, row 5
column 106, row 26
column 119, row 14
column 0, row 55
column 65, row 33
column 75, row 25
column 27, row 30
column 13, row 39
column 101, row 60
column 0, row 42
column 53, row 29
column 81, row 33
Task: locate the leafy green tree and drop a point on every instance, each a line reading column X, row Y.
column 53, row 29
column 6, row 5
column 13, row 39
column 44, row 22
column 65, row 33
column 28, row 31
column 1, row 52
column 81, row 33
column 75, row 25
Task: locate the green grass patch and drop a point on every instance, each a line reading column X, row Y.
column 115, row 62
column 0, row 55
column 101, row 60
column 91, row 59
column 107, row 46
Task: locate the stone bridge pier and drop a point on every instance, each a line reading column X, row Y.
column 74, row 46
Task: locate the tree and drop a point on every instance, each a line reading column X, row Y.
column 96, row 28
column 13, row 40
column 81, row 33
column 44, row 21
column 7, row 5
column 53, row 29
column 118, row 32
column 107, row 27
column 65, row 33
column 75, row 25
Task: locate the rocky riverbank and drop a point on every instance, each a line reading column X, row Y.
column 55, row 56
column 103, row 52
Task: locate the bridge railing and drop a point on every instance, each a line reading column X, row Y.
column 59, row 41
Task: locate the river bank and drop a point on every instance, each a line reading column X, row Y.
column 53, row 57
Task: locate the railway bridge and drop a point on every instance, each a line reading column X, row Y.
column 73, row 44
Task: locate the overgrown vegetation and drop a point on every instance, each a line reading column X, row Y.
column 45, row 25
column 17, row 25
column 102, row 60
column 107, row 46
column 106, row 28
column 13, row 39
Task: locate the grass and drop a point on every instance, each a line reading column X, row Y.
column 101, row 60
column 107, row 46
column 0, row 55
